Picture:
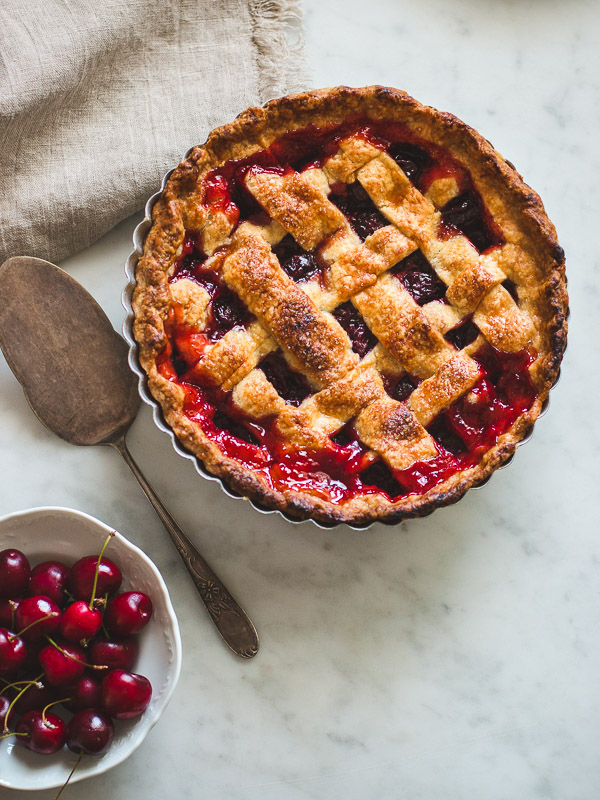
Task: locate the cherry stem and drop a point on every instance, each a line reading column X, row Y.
column 12, row 685
column 13, row 607
column 11, row 733
column 75, row 765
column 53, row 703
column 76, row 660
column 108, row 538
column 31, row 624
column 10, row 708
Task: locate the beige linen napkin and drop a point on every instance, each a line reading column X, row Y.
column 98, row 98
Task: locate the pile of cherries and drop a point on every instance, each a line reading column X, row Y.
column 67, row 638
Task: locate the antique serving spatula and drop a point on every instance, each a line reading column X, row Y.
column 73, row 368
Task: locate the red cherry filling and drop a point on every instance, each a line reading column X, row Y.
column 379, row 476
column 463, row 334
column 358, row 332
column 419, row 278
column 226, row 311
column 511, row 288
column 462, row 433
column 467, row 214
column 412, row 159
column 354, row 202
column 345, row 468
column 400, row 388
column 290, row 385
column 296, row 262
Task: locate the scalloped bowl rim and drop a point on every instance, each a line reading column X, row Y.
column 138, row 729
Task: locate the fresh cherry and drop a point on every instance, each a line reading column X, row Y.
column 4, row 706
column 62, row 662
column 37, row 697
column 79, row 621
column 82, row 575
column 125, row 694
column 90, row 731
column 14, row 573
column 13, row 652
column 36, row 616
column 8, row 609
column 44, row 733
column 49, row 579
column 128, row 613
column 84, row 693
column 115, row 654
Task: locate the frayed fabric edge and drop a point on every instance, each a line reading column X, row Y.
column 280, row 60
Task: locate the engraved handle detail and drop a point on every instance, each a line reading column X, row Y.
column 229, row 617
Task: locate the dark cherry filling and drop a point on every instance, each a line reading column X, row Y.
column 236, row 429
column 362, row 213
column 463, row 334
column 296, row 262
column 400, row 388
column 445, row 436
column 352, row 322
column 379, row 476
column 419, row 278
column 412, row 159
column 511, row 288
column 290, row 385
column 344, row 468
column 226, row 309
column 467, row 214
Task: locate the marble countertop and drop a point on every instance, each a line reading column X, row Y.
column 451, row 657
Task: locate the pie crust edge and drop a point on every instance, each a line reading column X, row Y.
column 254, row 130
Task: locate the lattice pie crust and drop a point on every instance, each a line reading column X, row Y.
column 295, row 318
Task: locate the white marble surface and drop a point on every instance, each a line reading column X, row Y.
column 451, row 657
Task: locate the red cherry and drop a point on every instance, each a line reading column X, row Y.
column 64, row 665
column 8, row 609
column 33, row 610
column 116, row 654
column 37, row 697
column 90, row 731
column 128, row 613
column 79, row 621
column 45, row 733
column 50, row 579
column 4, row 706
column 14, row 573
column 84, row 693
column 125, row 694
column 81, row 578
column 12, row 652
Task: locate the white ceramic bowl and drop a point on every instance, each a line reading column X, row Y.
column 67, row 535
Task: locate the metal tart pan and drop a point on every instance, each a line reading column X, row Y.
column 139, row 236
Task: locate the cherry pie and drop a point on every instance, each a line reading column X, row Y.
column 350, row 306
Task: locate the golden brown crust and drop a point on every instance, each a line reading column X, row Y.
column 536, row 259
